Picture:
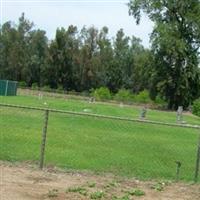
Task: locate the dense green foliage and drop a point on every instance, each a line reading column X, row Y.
column 101, row 145
column 196, row 107
column 175, row 45
column 124, row 95
column 143, row 97
column 87, row 59
column 73, row 61
column 102, row 93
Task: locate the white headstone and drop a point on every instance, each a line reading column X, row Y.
column 180, row 114
column 40, row 96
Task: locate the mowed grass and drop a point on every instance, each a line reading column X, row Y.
column 98, row 108
column 101, row 145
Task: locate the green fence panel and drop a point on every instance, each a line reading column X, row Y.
column 8, row 88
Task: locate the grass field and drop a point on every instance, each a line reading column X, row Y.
column 101, row 145
column 97, row 108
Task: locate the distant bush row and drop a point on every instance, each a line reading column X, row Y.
column 126, row 96
column 123, row 95
column 104, row 94
column 196, row 107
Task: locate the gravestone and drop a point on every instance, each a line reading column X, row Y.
column 143, row 113
column 92, row 100
column 40, row 96
column 180, row 114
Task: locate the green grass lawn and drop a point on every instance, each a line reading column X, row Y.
column 97, row 108
column 101, row 145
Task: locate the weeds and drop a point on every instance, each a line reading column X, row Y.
column 79, row 190
column 160, row 186
column 112, row 184
column 136, row 192
column 126, row 197
column 91, row 184
column 52, row 193
column 97, row 195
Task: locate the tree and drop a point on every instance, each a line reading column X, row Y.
column 62, row 51
column 15, row 53
column 88, row 57
column 8, row 53
column 141, row 62
column 73, row 60
column 37, row 58
column 21, row 47
column 175, row 44
column 105, row 56
column 117, row 71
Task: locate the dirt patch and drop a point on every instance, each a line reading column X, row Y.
column 25, row 182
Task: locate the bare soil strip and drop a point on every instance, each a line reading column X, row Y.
column 26, row 182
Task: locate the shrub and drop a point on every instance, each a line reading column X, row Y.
column 102, row 93
column 72, row 92
column 22, row 84
column 46, row 88
column 34, row 86
column 196, row 107
column 160, row 102
column 60, row 89
column 143, row 97
column 124, row 95
column 85, row 93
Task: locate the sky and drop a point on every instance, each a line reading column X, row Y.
column 48, row 15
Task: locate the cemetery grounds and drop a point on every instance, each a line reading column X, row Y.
column 88, row 157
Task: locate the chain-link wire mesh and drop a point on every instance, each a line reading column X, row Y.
column 122, row 147
column 88, row 142
column 21, row 131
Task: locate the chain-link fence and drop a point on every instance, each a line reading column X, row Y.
column 80, row 141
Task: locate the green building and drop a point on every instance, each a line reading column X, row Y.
column 8, row 88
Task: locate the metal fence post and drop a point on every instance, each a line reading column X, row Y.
column 197, row 162
column 6, row 89
column 44, row 135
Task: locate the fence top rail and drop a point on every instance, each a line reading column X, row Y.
column 102, row 116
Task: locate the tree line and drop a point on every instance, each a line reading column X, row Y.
column 86, row 59
column 74, row 60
